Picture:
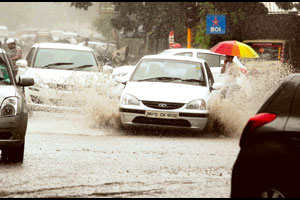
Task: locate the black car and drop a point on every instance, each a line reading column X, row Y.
column 13, row 111
column 269, row 159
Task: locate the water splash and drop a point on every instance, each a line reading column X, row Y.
column 229, row 115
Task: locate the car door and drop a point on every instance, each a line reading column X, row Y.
column 293, row 124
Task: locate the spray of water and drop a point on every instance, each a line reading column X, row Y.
column 229, row 115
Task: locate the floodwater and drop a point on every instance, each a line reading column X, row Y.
column 86, row 154
column 228, row 116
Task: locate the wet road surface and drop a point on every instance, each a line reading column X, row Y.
column 64, row 157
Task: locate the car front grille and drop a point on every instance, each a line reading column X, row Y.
column 162, row 122
column 63, row 87
column 162, row 105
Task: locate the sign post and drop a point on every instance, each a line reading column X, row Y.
column 215, row 24
column 189, row 38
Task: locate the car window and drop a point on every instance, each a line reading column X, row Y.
column 211, row 59
column 179, row 70
column 293, row 120
column 187, row 54
column 74, row 58
column 5, row 75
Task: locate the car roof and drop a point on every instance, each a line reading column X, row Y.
column 173, row 57
column 178, row 50
column 62, row 46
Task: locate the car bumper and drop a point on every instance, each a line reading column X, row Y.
column 62, row 100
column 13, row 130
column 137, row 118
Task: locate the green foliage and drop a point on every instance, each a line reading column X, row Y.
column 103, row 25
column 81, row 5
column 235, row 20
column 156, row 18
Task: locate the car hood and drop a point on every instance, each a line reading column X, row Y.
column 68, row 77
column 7, row 91
column 166, row 92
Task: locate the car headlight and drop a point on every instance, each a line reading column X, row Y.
column 10, row 106
column 130, row 100
column 196, row 105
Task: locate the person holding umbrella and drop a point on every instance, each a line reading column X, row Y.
column 231, row 70
column 233, row 48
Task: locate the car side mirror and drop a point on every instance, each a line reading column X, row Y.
column 120, row 79
column 22, row 63
column 217, row 86
column 107, row 69
column 26, row 80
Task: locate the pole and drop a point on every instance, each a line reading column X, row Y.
column 189, row 37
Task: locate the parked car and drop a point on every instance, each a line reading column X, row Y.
column 13, row 108
column 61, row 71
column 71, row 37
column 214, row 60
column 167, row 91
column 269, row 159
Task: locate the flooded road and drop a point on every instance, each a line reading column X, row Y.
column 89, row 155
column 64, row 157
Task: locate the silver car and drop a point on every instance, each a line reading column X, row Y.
column 13, row 111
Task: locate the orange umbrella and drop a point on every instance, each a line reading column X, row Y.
column 234, row 48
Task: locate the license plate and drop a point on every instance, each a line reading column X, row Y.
column 165, row 115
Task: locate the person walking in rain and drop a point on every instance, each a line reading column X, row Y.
column 14, row 52
column 231, row 72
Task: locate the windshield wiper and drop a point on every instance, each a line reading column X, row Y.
column 161, row 79
column 194, row 80
column 56, row 64
column 80, row 67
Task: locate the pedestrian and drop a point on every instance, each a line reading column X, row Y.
column 14, row 52
column 231, row 72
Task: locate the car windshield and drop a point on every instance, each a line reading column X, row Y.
column 166, row 70
column 65, row 59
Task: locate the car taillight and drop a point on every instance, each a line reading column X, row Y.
column 259, row 120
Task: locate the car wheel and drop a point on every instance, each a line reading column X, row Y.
column 266, row 169
column 13, row 154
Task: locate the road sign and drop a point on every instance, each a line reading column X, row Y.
column 215, row 24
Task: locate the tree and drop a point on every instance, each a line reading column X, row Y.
column 81, row 5
column 236, row 14
column 103, row 25
column 156, row 19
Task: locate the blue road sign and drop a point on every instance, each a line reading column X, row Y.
column 215, row 24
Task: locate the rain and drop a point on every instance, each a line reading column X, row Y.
column 87, row 153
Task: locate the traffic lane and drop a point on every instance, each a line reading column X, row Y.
column 64, row 165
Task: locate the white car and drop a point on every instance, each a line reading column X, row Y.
column 64, row 74
column 168, row 91
column 214, row 60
